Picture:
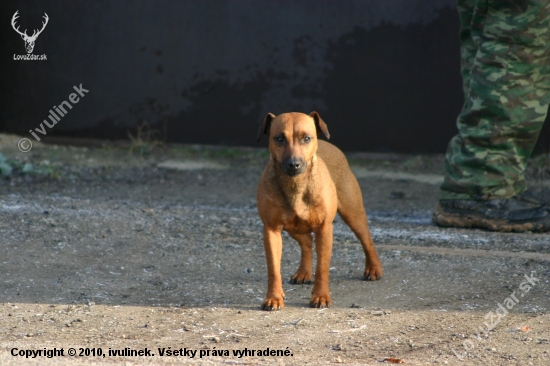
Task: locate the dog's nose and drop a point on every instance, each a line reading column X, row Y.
column 295, row 165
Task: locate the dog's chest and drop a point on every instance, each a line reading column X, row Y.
column 301, row 219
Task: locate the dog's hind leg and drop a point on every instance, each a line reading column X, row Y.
column 303, row 273
column 350, row 208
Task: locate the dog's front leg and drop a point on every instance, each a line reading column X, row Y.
column 320, row 295
column 273, row 244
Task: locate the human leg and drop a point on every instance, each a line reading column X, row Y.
column 507, row 97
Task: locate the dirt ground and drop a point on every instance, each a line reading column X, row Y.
column 111, row 249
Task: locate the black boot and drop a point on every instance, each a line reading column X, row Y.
column 540, row 195
column 510, row 214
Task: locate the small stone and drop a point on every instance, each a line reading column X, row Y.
column 397, row 195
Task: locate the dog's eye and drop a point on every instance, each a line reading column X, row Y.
column 306, row 140
column 280, row 139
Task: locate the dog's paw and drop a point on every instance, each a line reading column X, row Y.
column 301, row 277
column 273, row 303
column 373, row 273
column 320, row 301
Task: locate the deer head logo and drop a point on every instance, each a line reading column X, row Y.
column 29, row 41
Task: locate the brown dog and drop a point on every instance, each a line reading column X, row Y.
column 304, row 184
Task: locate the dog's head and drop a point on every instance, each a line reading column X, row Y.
column 293, row 139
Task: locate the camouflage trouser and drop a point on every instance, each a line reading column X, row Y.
column 505, row 66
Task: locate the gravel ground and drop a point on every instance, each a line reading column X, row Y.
column 118, row 248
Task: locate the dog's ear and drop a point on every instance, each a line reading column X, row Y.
column 265, row 126
column 320, row 124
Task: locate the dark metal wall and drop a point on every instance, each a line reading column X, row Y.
column 383, row 74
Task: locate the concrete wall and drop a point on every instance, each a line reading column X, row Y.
column 383, row 74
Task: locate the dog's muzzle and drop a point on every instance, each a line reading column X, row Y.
column 293, row 166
